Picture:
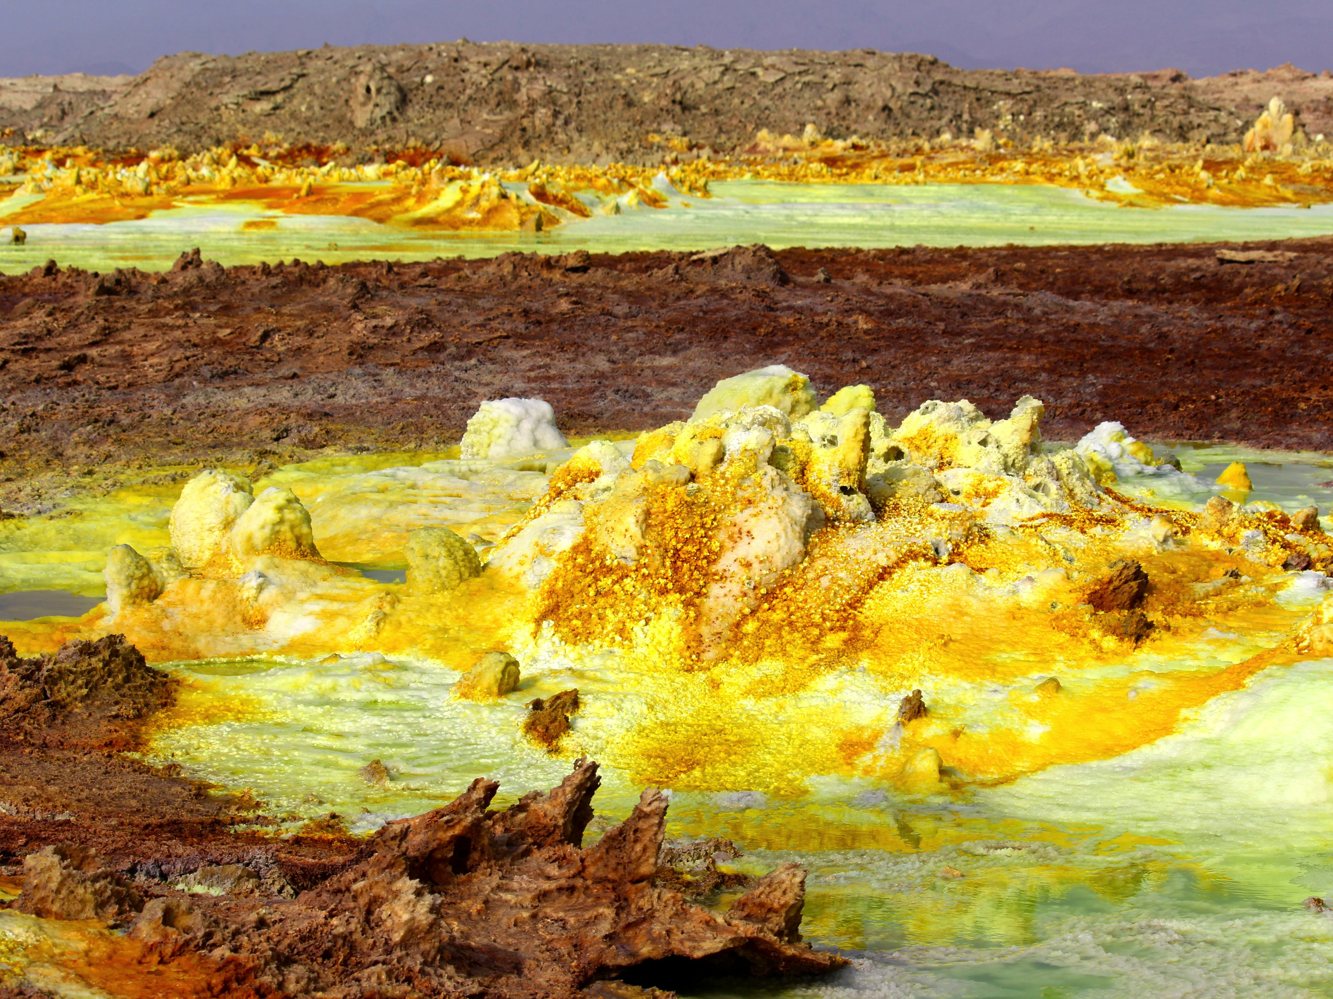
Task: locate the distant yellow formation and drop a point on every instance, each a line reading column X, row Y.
column 416, row 189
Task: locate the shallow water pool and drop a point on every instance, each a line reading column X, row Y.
column 739, row 212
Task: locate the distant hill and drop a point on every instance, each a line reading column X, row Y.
column 509, row 103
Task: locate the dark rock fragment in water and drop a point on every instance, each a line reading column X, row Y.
column 912, row 707
column 1048, row 687
column 1123, row 589
column 192, row 260
column 68, row 882
column 1131, row 625
column 690, row 867
column 375, row 773
column 549, row 719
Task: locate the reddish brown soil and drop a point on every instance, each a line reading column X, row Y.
column 99, row 375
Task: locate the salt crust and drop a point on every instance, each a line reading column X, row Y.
column 502, row 428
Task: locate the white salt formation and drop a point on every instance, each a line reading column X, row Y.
column 502, row 428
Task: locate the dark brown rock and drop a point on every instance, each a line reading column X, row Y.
column 1123, row 589
column 690, row 867
column 775, row 903
column 912, row 707
column 1131, row 625
column 466, row 901
column 549, row 718
column 88, row 694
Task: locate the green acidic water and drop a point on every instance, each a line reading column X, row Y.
column 781, row 215
column 1175, row 870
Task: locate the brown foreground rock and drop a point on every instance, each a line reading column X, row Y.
column 461, row 901
column 88, row 695
column 253, row 365
column 1123, row 588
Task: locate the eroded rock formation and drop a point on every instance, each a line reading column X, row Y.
column 88, row 694
column 461, row 901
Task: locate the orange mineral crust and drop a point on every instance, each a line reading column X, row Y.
column 419, row 188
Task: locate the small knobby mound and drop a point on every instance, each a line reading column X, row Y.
column 462, row 901
column 754, row 264
column 89, row 694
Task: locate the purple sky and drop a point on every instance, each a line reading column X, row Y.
column 1199, row 36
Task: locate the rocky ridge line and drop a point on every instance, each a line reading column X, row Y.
column 506, row 103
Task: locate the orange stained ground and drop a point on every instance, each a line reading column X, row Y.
column 416, row 192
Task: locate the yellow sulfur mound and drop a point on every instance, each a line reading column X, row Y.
column 1235, row 476
column 210, row 504
column 848, row 398
column 776, row 385
column 276, row 523
column 775, row 584
column 438, row 561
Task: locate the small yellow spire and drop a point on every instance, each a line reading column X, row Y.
column 1234, row 476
